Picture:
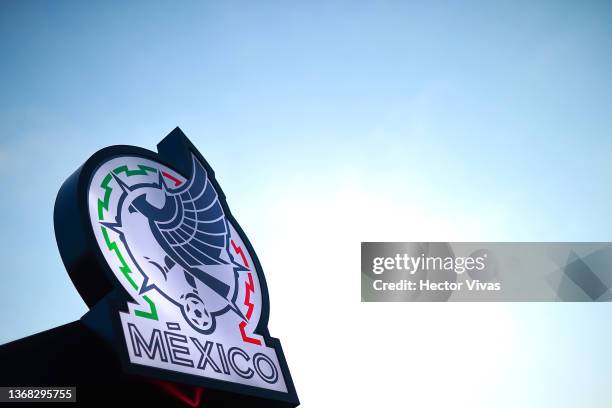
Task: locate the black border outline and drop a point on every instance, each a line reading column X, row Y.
column 98, row 285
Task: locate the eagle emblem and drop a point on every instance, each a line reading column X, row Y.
column 179, row 239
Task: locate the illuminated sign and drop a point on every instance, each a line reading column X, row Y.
column 149, row 236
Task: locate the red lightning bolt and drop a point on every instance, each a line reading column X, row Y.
column 239, row 251
column 250, row 288
column 176, row 181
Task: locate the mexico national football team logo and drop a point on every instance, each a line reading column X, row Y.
column 152, row 236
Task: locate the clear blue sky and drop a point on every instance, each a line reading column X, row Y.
column 490, row 120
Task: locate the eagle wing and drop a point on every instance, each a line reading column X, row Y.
column 197, row 230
